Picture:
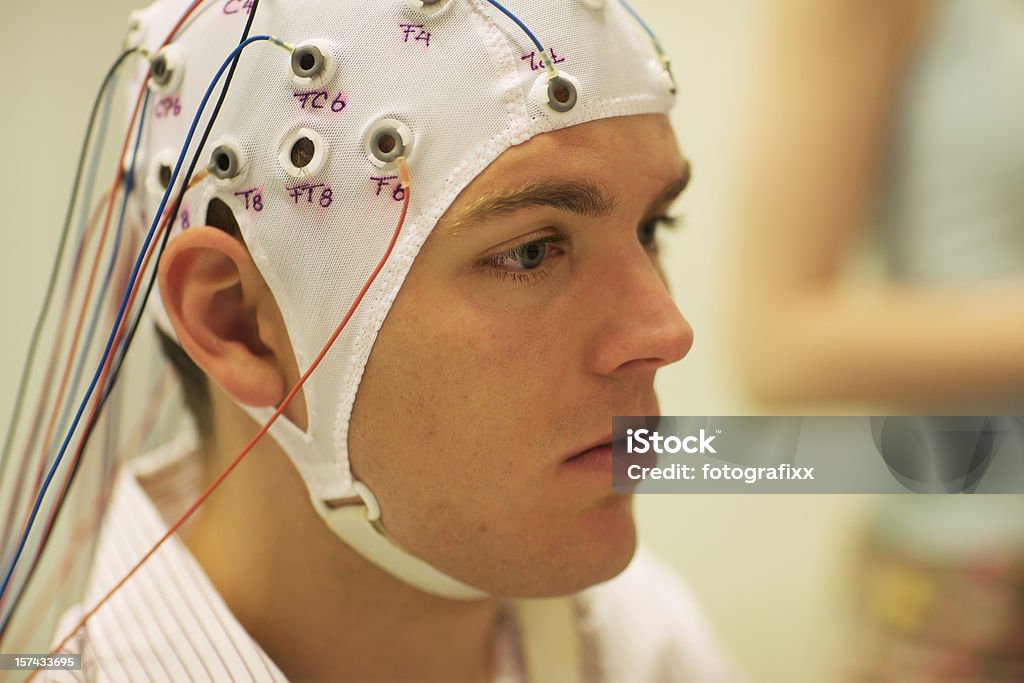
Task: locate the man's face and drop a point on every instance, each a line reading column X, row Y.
column 535, row 311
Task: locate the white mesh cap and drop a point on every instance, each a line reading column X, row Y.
column 458, row 79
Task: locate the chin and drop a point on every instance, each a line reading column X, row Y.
column 605, row 541
column 614, row 531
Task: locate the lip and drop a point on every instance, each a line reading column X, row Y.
column 596, row 459
column 649, row 422
column 594, row 445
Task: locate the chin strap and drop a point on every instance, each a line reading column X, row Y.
column 357, row 522
column 547, row 627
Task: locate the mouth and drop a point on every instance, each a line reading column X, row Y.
column 596, row 459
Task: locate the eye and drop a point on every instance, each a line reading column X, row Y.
column 647, row 232
column 531, row 255
column 525, row 257
column 527, row 262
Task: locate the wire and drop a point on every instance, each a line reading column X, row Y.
column 82, row 358
column 129, row 182
column 639, row 19
column 76, row 185
column 87, row 526
column 34, row 344
column 51, row 425
column 189, row 181
column 30, row 518
column 519, row 23
column 270, row 421
column 51, row 368
column 121, row 311
column 119, row 361
column 107, row 386
column 662, row 55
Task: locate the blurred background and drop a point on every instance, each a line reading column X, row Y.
column 819, row 133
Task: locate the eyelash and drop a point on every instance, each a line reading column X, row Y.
column 493, row 263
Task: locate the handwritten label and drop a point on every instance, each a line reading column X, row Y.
column 416, row 32
column 320, row 99
column 398, row 193
column 253, row 199
column 238, row 6
column 168, row 106
column 312, row 194
column 186, row 220
column 536, row 63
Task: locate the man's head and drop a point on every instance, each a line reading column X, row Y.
column 499, row 339
column 518, row 334
column 534, row 312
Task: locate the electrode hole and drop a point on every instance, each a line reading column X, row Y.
column 160, row 68
column 387, row 143
column 387, row 140
column 309, row 61
column 560, row 94
column 225, row 161
column 302, row 152
column 165, row 69
column 164, row 174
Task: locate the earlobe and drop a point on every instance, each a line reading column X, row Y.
column 218, row 304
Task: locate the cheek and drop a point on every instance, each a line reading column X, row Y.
column 458, row 428
column 455, row 390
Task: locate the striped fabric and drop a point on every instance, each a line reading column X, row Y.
column 169, row 624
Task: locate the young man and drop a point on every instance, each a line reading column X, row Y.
column 448, row 462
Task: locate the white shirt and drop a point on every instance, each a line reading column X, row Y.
column 169, row 624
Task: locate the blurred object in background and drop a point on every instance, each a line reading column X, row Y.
column 943, row 591
column 952, row 208
column 899, row 123
column 894, row 129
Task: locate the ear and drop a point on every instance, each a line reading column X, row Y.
column 226, row 317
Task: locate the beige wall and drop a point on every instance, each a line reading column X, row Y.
column 766, row 568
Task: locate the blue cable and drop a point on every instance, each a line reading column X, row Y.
column 80, row 239
column 519, row 23
column 101, row 297
column 91, row 142
column 129, row 183
column 640, row 20
column 654, row 41
column 124, row 302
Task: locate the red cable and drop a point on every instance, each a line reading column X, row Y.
column 51, row 425
column 88, row 526
column 66, row 376
column 52, row 518
column 95, row 266
column 259, row 435
column 51, row 365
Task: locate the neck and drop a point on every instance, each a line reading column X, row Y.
column 318, row 609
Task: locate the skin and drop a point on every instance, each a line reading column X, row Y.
column 464, row 418
column 811, row 155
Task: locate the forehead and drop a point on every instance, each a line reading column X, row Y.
column 625, row 154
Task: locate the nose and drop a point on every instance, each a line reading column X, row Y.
column 641, row 326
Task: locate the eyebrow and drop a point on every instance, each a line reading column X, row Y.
column 673, row 189
column 583, row 198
